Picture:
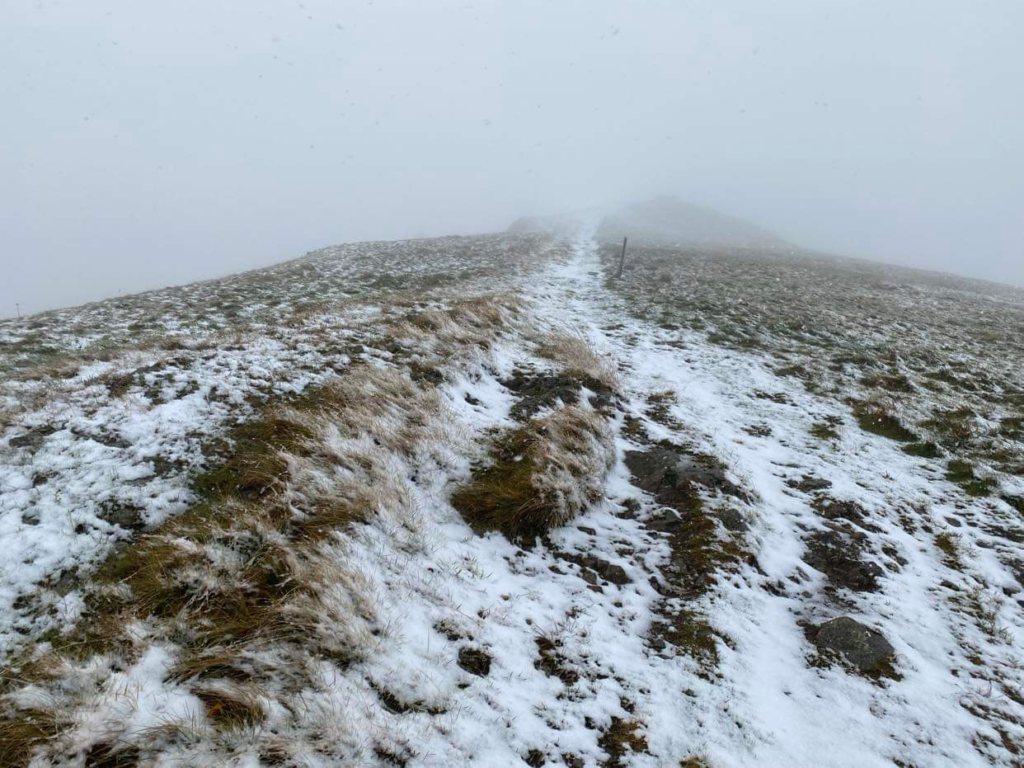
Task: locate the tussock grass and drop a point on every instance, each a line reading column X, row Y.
column 21, row 735
column 575, row 354
column 541, row 475
column 250, row 589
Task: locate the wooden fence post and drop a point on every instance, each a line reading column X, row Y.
column 622, row 259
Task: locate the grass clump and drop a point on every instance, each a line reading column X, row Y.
column 827, row 428
column 622, row 738
column 962, row 473
column 253, row 463
column 22, row 732
column 949, row 544
column 954, row 428
column 255, row 565
column 889, row 382
column 231, row 707
column 879, row 418
column 575, row 354
column 925, row 450
column 541, row 475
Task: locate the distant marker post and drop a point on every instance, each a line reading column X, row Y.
column 622, row 258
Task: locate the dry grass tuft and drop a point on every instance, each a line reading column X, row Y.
column 574, row 353
column 22, row 732
column 232, row 706
column 250, row 590
column 542, row 475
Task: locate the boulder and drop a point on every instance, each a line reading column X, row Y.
column 862, row 647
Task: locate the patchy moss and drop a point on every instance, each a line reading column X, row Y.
column 827, row 428
column 962, row 473
column 1012, row 427
column 924, row 450
column 690, row 633
column 621, row 738
column 659, row 408
column 879, row 418
column 552, row 662
column 634, row 429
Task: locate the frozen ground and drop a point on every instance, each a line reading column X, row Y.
column 677, row 621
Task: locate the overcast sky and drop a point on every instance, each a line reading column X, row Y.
column 146, row 144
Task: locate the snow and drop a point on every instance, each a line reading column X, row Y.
column 432, row 579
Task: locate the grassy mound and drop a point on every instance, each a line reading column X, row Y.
column 541, row 475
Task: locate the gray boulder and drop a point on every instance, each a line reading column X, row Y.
column 862, row 647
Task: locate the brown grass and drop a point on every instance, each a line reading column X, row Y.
column 541, row 475
column 574, row 353
column 22, row 732
column 232, row 706
column 258, row 564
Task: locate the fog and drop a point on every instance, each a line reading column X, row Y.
column 147, row 144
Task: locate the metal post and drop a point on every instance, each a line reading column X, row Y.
column 622, row 258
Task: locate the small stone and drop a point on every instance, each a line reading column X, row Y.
column 809, row 483
column 733, row 520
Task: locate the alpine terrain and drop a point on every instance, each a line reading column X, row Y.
column 479, row 501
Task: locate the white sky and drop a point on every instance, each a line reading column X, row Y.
column 145, row 144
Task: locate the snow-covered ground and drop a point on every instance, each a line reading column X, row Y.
column 771, row 707
column 477, row 651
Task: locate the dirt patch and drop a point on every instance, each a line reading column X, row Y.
column 595, row 569
column 667, row 472
column 552, row 662
column 622, row 738
column 475, row 661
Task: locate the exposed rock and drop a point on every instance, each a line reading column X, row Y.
column 538, row 391
column 809, row 483
column 862, row 647
column 127, row 516
column 733, row 520
column 33, row 439
column 838, row 556
column 667, row 474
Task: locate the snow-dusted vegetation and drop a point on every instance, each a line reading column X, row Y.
column 472, row 501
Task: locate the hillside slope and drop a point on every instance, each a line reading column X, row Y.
column 472, row 501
